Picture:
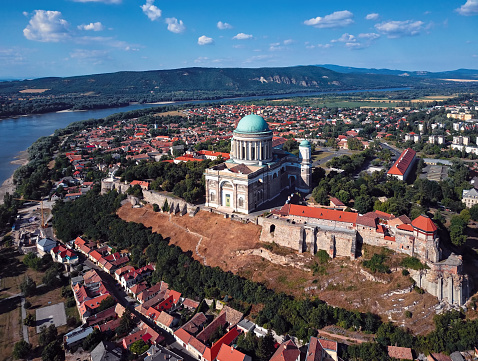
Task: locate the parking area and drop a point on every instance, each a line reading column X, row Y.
column 51, row 315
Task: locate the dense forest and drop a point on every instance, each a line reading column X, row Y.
column 93, row 216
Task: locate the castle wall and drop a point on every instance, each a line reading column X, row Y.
column 449, row 287
column 282, row 233
column 309, row 238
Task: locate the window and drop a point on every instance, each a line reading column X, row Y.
column 241, row 202
column 272, row 228
column 211, row 197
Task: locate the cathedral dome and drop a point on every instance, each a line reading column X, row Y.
column 304, row 143
column 252, row 123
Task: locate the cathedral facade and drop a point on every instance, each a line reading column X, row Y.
column 257, row 171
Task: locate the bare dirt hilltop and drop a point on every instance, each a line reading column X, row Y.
column 234, row 246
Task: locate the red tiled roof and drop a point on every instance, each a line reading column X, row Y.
column 328, row 344
column 211, row 353
column 405, row 227
column 403, row 162
column 401, row 353
column 287, row 351
column 96, row 255
column 165, row 319
column 198, row 345
column 182, row 335
column 321, row 213
column 335, row 201
column 194, row 325
column 424, row 223
column 383, row 215
column 219, row 321
column 229, row 353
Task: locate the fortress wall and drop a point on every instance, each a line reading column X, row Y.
column 282, row 233
column 448, row 287
column 176, row 205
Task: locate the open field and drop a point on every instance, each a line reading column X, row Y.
column 10, row 327
column 320, row 155
column 234, row 246
column 33, row 91
column 12, row 271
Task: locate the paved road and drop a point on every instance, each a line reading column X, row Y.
column 336, row 153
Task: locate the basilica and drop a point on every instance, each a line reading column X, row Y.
column 257, row 171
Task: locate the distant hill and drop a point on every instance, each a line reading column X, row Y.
column 470, row 74
column 230, row 80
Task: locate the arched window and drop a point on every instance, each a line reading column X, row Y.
column 211, row 197
column 272, row 228
column 241, row 202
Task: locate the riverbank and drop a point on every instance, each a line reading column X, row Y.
column 8, row 186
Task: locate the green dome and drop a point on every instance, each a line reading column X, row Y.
column 252, row 123
column 304, row 143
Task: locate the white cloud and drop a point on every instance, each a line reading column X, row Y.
column 345, row 38
column 94, row 57
column 275, row 47
column 92, row 26
column 397, row 29
column 372, row 16
column 201, row 60
column 370, row 36
column 99, row 1
column 151, row 10
column 242, row 36
column 223, row 26
column 352, row 42
column 204, row 40
column 175, row 26
column 335, row 20
column 288, row 41
column 469, row 8
column 47, row 26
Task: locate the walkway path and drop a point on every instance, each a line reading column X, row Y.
column 24, row 315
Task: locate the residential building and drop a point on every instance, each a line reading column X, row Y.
column 470, row 197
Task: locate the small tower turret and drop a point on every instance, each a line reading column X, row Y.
column 305, row 165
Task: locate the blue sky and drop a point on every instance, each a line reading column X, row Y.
column 76, row 37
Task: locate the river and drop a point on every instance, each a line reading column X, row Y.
column 17, row 134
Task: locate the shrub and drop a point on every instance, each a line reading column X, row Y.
column 408, row 314
column 376, row 264
column 323, row 256
column 27, row 305
column 405, row 272
column 413, row 263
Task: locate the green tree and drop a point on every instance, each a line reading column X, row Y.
column 457, row 230
column 53, row 352
column 29, row 320
column 28, row 286
column 474, row 212
column 21, row 350
column 363, row 204
column 320, row 195
column 106, row 303
column 139, row 347
column 266, row 347
column 92, row 340
column 47, row 335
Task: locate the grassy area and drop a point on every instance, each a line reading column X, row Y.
column 10, row 330
column 320, row 155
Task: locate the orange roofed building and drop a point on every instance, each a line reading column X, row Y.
column 403, row 165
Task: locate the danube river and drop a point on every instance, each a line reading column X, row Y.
column 17, row 134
